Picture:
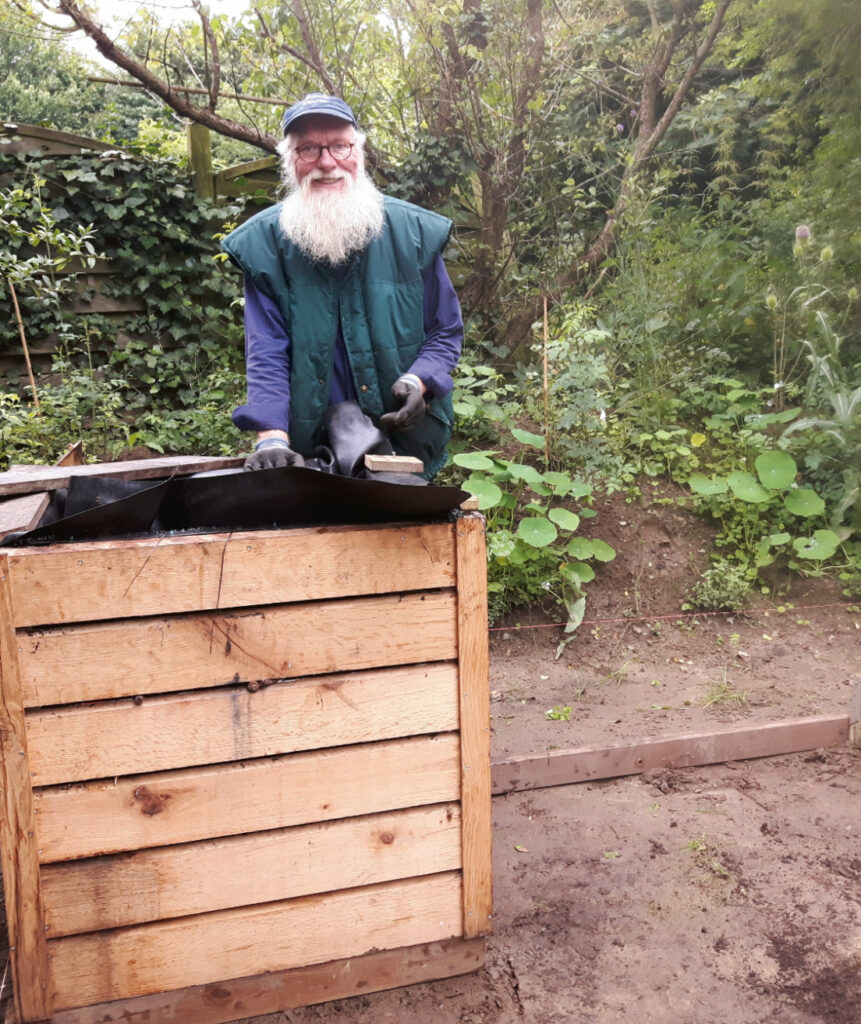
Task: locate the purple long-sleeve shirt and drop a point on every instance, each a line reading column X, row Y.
column 267, row 353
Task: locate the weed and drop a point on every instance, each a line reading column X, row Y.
column 724, row 693
column 560, row 713
column 724, row 587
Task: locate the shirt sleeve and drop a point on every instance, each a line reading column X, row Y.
column 443, row 325
column 267, row 365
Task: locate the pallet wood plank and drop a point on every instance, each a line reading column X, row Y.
column 98, row 580
column 18, row 845
column 394, row 464
column 208, row 948
column 204, row 803
column 19, row 514
column 473, row 666
column 53, row 477
column 284, row 990
column 178, row 881
column 111, row 738
column 562, row 767
column 136, row 657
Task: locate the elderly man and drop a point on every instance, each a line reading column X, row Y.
column 346, row 298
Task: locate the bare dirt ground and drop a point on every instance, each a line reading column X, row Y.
column 722, row 895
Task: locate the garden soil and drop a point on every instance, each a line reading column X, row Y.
column 728, row 894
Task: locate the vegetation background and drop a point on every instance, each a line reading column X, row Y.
column 657, row 247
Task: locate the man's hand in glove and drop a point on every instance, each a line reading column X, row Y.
column 272, row 452
column 410, row 402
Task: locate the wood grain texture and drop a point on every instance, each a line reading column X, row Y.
column 394, row 464
column 270, row 993
column 98, row 580
column 208, row 948
column 473, row 666
column 178, row 881
column 54, row 477
column 22, row 513
column 135, row 657
column 204, row 803
column 562, row 767
column 111, row 738
column 18, row 847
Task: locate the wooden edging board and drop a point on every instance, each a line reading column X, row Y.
column 562, row 767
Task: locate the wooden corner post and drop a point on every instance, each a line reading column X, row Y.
column 473, row 660
column 18, row 843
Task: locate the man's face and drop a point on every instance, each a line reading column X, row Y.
column 325, row 174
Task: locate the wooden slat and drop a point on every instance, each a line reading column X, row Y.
column 473, row 661
column 284, row 990
column 203, row 803
column 393, row 464
column 177, row 881
column 130, row 657
column 561, row 767
column 110, row 579
column 18, row 846
column 54, row 477
column 96, row 741
column 22, row 513
column 196, row 951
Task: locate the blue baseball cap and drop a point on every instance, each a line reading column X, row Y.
column 317, row 103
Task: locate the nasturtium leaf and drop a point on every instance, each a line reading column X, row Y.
column 776, row 539
column 488, row 493
column 528, row 474
column 579, row 547
column 577, row 572
column 804, row 502
column 560, row 482
column 501, row 543
column 472, row 460
column 564, row 519
column 698, row 440
column 603, row 551
column 744, row 486
column 525, row 437
column 700, row 484
column 823, row 544
column 776, row 470
column 538, row 533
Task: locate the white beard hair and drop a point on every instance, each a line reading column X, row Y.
column 329, row 226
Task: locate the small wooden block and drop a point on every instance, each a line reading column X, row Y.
column 471, row 504
column 393, row 464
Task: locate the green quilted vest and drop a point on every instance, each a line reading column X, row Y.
column 380, row 304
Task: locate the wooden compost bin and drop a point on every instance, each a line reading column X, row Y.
column 243, row 771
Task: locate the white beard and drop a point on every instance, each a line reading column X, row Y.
column 329, row 226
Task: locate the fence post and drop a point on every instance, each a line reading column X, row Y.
column 200, row 159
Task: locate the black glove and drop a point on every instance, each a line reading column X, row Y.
column 410, row 403
column 272, row 452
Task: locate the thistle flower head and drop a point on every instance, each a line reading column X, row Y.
column 802, row 233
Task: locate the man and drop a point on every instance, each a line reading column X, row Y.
column 346, row 298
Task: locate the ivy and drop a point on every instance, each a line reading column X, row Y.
column 161, row 240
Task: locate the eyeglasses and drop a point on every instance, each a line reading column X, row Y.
column 310, row 152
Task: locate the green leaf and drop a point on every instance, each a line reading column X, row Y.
column 776, row 539
column 744, row 486
column 488, row 494
column 603, row 551
column 700, row 484
column 579, row 547
column 538, row 533
column 473, row 460
column 564, row 519
column 577, row 572
column 527, row 438
column 804, row 502
column 823, row 544
column 528, row 474
column 776, row 470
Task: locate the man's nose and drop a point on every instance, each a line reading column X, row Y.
column 326, row 162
